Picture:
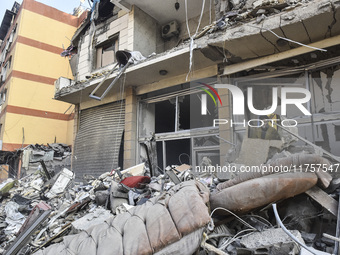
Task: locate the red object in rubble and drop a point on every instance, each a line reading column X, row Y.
column 136, row 181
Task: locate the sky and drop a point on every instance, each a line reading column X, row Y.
column 63, row 5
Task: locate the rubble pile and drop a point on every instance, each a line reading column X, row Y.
column 56, row 156
column 238, row 10
column 180, row 211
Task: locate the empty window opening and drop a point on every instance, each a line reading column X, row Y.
column 165, row 112
column 177, row 152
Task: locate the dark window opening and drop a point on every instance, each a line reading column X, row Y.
column 159, row 147
column 165, row 116
column 184, row 112
column 105, row 9
column 121, row 152
column 175, row 149
column 337, row 132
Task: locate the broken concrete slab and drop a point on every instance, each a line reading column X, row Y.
column 250, row 153
column 137, row 170
column 273, row 239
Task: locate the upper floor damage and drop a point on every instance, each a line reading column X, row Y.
column 176, row 36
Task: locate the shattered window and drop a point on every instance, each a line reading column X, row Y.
column 106, row 53
column 5, row 69
column 326, row 135
column 175, row 114
column 326, row 90
column 171, row 120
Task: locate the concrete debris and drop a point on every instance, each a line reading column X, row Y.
column 61, row 183
column 236, row 11
column 39, row 213
column 14, row 218
column 272, row 240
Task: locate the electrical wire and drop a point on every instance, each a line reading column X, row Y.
column 234, row 238
column 284, row 38
column 259, row 217
column 237, row 217
column 210, row 20
column 192, row 38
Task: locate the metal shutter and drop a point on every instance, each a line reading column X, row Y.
column 97, row 143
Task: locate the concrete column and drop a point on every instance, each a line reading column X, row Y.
column 75, row 129
column 130, row 136
column 225, row 131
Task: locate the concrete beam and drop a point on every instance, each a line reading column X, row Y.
column 280, row 56
column 165, row 83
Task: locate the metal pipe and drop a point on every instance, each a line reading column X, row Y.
column 332, row 238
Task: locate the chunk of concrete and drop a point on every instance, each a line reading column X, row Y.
column 276, row 241
column 250, row 153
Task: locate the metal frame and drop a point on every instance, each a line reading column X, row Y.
column 121, row 71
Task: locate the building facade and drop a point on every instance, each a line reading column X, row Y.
column 151, row 113
column 33, row 36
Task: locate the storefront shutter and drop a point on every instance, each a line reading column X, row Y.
column 98, row 140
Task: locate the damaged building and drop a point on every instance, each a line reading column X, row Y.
column 144, row 108
column 200, row 128
column 30, row 62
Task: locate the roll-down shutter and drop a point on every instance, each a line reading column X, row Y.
column 98, row 140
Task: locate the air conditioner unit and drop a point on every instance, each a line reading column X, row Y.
column 171, row 29
column 62, row 82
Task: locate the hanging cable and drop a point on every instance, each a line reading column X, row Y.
column 192, row 38
column 210, row 20
column 284, row 38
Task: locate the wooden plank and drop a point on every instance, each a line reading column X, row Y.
column 327, row 202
